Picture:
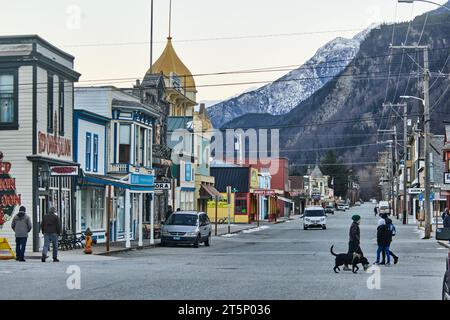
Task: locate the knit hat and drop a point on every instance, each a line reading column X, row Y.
column 381, row 222
column 356, row 218
column 52, row 210
column 23, row 209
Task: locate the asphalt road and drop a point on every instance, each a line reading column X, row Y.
column 279, row 262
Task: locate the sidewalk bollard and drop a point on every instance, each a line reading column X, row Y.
column 88, row 247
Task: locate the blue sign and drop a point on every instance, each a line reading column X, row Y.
column 142, row 179
column 188, row 172
column 421, row 197
column 432, row 196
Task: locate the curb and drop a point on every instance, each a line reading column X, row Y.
column 442, row 243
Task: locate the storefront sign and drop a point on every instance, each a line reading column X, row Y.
column 64, row 171
column 162, row 185
column 447, row 178
column 254, row 181
column 264, row 192
column 142, row 179
column 415, row 190
column 8, row 197
column 54, row 145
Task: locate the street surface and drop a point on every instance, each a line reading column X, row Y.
column 280, row 261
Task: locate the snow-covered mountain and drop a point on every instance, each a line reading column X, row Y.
column 282, row 95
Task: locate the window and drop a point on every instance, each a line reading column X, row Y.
column 50, row 103
column 125, row 143
column 88, row 152
column 188, row 172
column 240, row 206
column 8, row 100
column 61, row 107
column 95, row 166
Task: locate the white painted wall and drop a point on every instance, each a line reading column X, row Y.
column 83, row 128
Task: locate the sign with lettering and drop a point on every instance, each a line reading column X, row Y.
column 415, row 190
column 447, row 178
column 9, row 199
column 64, row 171
column 162, row 185
column 54, row 145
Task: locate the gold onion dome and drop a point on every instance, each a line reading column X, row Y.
column 170, row 62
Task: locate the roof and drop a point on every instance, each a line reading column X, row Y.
column 169, row 62
column 236, row 177
column 316, row 173
column 174, row 123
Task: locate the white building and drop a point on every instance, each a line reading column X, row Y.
column 36, row 109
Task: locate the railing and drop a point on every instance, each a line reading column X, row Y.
column 125, row 168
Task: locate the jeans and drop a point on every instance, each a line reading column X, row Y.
column 53, row 238
column 383, row 249
column 21, row 244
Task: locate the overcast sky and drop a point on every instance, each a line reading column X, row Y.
column 119, row 33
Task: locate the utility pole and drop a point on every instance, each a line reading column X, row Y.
column 426, row 113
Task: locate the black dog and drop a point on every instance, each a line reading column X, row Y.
column 347, row 259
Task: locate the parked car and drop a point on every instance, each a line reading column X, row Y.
column 329, row 209
column 446, row 282
column 186, row 227
column 347, row 206
column 314, row 217
column 341, row 206
column 357, row 203
column 374, row 201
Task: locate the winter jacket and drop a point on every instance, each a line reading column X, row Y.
column 354, row 233
column 391, row 228
column 21, row 224
column 447, row 221
column 383, row 235
column 51, row 224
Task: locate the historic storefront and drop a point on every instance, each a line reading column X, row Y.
column 36, row 109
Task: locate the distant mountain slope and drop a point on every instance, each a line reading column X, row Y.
column 345, row 113
column 284, row 94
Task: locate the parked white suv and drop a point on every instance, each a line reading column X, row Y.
column 314, row 217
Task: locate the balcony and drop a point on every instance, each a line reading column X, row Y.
column 126, row 168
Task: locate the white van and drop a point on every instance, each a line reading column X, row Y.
column 383, row 207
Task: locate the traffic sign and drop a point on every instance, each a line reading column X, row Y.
column 421, row 197
column 416, row 190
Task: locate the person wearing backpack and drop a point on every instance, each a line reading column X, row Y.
column 383, row 242
column 392, row 232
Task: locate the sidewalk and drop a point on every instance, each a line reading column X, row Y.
column 445, row 244
column 117, row 247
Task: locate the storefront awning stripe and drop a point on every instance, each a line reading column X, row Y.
column 285, row 199
column 108, row 182
column 211, row 191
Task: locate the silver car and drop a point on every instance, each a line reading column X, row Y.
column 186, row 227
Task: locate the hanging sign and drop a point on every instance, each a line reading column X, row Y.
column 447, row 178
column 64, row 171
column 9, row 199
column 162, row 185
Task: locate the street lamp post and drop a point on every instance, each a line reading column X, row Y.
column 426, row 1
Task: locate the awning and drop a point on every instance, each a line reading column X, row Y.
column 285, row 200
column 209, row 192
column 102, row 180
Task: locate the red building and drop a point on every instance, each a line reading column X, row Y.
column 279, row 171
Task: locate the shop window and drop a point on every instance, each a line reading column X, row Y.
column 88, row 152
column 50, row 103
column 95, row 166
column 61, row 107
column 240, row 206
column 125, row 143
column 8, row 101
column 97, row 209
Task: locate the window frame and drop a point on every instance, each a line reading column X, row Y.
column 61, row 105
column 15, row 124
column 50, row 101
column 88, row 152
column 95, row 153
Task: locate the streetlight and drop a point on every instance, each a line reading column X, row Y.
column 426, row 1
column 426, row 120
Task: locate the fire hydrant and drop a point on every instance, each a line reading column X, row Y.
column 88, row 247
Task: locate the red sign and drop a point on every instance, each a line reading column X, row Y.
column 52, row 144
column 264, row 192
column 64, row 171
column 8, row 197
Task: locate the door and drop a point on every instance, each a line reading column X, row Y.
column 121, row 217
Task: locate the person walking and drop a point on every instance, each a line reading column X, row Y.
column 354, row 239
column 447, row 222
column 51, row 228
column 444, row 214
column 169, row 212
column 21, row 224
column 392, row 232
column 383, row 241
column 375, row 210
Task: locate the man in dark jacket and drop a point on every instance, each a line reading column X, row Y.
column 51, row 228
column 447, row 222
column 21, row 224
column 383, row 236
